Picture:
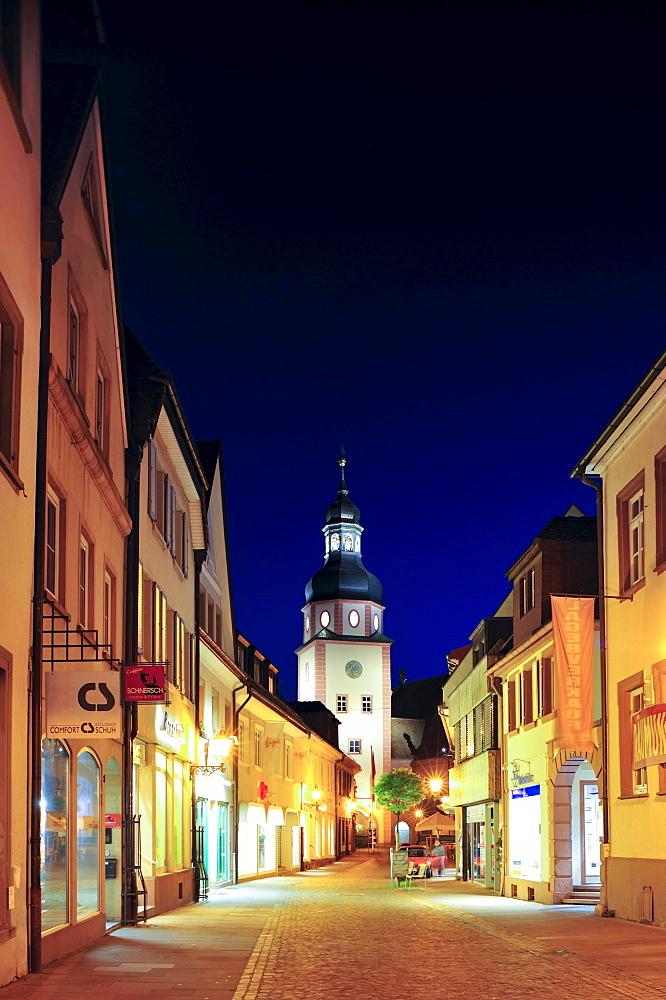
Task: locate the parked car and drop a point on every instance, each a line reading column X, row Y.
column 417, row 854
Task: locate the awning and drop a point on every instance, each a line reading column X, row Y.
column 250, row 812
column 438, row 823
column 275, row 816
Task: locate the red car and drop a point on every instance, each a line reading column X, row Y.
column 417, row 854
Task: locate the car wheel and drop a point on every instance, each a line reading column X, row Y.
column 429, row 873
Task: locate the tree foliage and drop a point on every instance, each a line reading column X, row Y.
column 399, row 790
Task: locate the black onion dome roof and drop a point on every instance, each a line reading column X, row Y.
column 343, row 575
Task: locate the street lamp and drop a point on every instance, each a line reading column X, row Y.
column 436, row 785
column 216, row 750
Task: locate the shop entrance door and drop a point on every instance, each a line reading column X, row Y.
column 590, row 832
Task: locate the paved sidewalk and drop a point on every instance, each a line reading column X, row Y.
column 617, row 943
column 343, row 931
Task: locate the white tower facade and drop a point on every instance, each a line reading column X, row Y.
column 345, row 659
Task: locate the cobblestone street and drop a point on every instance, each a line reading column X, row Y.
column 344, row 932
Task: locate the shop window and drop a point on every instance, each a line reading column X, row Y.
column 177, row 813
column 159, row 843
column 55, row 834
column 630, row 531
column 87, row 835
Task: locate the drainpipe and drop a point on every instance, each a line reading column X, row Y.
column 234, row 825
column 51, row 247
column 596, row 482
column 129, row 899
column 199, row 559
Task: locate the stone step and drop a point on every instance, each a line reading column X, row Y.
column 584, row 897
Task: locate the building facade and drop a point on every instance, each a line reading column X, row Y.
column 475, row 786
column 551, row 828
column 626, row 465
column 20, row 277
column 86, row 523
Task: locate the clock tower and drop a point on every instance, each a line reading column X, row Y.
column 345, row 659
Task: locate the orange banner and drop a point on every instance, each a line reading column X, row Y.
column 573, row 643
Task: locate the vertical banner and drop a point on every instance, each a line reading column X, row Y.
column 573, row 643
column 273, row 744
column 301, row 744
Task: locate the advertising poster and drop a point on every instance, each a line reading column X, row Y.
column 525, row 833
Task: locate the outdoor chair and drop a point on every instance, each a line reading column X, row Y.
column 417, row 873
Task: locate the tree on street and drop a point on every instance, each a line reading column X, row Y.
column 399, row 791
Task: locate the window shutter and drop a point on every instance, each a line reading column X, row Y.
column 511, row 705
column 172, row 519
column 547, row 685
column 152, row 482
column 185, row 565
column 528, row 713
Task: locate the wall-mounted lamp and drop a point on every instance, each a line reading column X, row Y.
column 436, row 785
column 216, row 750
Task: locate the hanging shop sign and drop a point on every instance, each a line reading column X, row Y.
column 83, row 705
column 573, row 644
column 650, row 736
column 144, row 682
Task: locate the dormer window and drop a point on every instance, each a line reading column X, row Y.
column 527, row 592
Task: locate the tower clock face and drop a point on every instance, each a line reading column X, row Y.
column 353, row 669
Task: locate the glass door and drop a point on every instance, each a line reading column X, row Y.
column 590, row 831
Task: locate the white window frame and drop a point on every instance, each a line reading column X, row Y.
column 341, row 702
column 636, row 538
column 52, row 544
column 84, row 583
column 107, row 609
column 366, row 704
column 354, row 747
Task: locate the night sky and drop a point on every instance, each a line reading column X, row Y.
column 432, row 232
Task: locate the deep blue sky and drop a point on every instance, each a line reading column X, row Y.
column 434, row 232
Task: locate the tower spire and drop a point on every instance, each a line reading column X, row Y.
column 342, row 461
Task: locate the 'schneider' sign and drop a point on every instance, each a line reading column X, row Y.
column 573, row 646
column 144, row 682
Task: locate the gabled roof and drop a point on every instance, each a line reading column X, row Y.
column 68, row 94
column 417, row 699
column 567, row 529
